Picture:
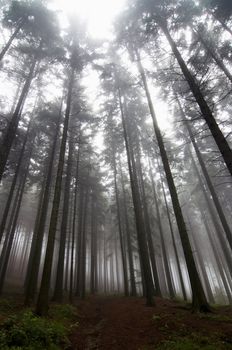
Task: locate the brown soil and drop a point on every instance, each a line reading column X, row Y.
column 119, row 323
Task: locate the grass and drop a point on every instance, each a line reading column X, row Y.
column 195, row 342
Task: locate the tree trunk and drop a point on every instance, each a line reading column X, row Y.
column 12, row 188
column 58, row 293
column 213, row 54
column 9, row 42
column 38, row 235
column 207, row 179
column 128, row 236
column 199, row 301
column 10, row 134
column 220, row 233
column 10, row 237
column 141, row 234
column 123, row 250
column 205, row 110
column 172, row 233
column 43, row 299
column 74, row 227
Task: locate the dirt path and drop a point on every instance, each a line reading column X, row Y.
column 113, row 323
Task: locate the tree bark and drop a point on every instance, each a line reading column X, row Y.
column 199, row 301
column 205, row 110
column 43, row 298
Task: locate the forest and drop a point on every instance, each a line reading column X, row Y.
column 115, row 174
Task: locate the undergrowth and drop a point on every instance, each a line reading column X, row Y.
column 194, row 342
column 26, row 331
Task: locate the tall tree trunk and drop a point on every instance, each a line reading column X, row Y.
column 165, row 258
column 141, row 233
column 207, row 179
column 10, row 237
column 202, row 265
column 10, row 134
column 12, row 188
column 213, row 54
column 43, row 298
column 220, row 233
column 219, row 263
column 79, row 240
column 123, row 250
column 183, row 289
column 148, row 228
column 74, row 227
column 58, row 293
column 38, row 235
column 12, row 37
column 199, row 301
column 93, row 248
column 83, row 247
column 205, row 110
column 128, row 236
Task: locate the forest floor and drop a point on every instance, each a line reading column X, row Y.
column 119, row 323
column 114, row 323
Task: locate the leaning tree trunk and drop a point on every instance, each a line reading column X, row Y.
column 12, row 188
column 12, row 37
column 10, row 237
column 217, row 134
column 10, row 134
column 43, row 298
column 220, row 233
column 171, row 230
column 213, row 54
column 207, row 179
column 199, row 301
column 141, row 233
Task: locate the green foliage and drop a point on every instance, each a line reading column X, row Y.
column 63, row 312
column 195, row 342
column 29, row 332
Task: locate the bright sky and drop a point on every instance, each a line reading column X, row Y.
column 99, row 14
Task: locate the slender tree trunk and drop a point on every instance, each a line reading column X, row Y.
column 165, row 258
column 10, row 236
column 74, row 227
column 183, row 289
column 79, row 240
column 219, row 264
column 207, row 179
column 123, row 251
column 58, row 293
column 128, row 236
column 220, row 233
column 43, row 298
column 213, row 54
column 141, row 234
column 148, row 230
column 12, row 188
column 10, row 134
column 12, row 37
column 38, row 235
column 93, row 251
column 202, row 266
column 199, row 301
column 205, row 110
column 83, row 247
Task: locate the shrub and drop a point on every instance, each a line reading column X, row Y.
column 29, row 332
